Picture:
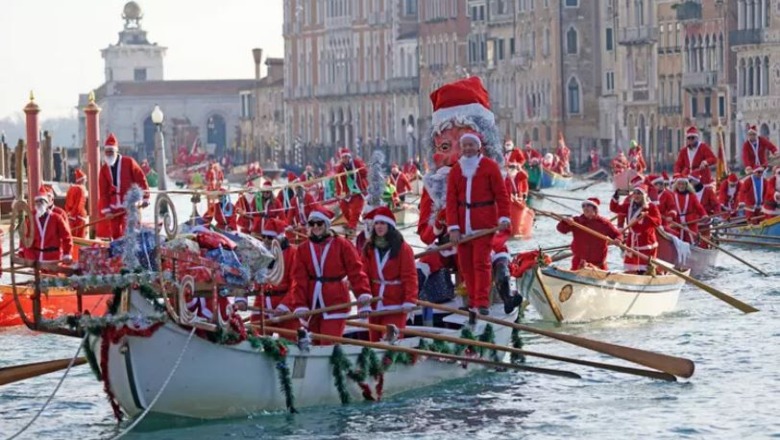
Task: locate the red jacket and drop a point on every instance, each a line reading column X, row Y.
column 683, row 208
column 224, row 220
column 361, row 178
column 76, row 202
column 639, row 164
column 689, row 160
column 709, row 200
column 517, row 187
column 317, row 286
column 728, row 197
column 752, row 192
column 246, row 212
column 299, row 215
column 272, row 209
column 586, row 247
column 754, row 155
column 641, row 235
column 51, row 239
column 400, row 182
column 479, row 202
column 515, row 156
column 112, row 197
column 392, row 279
column 531, row 153
column 771, row 194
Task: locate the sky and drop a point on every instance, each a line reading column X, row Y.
column 53, row 46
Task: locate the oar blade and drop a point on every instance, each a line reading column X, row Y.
column 21, row 372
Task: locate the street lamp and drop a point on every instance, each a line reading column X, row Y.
column 159, row 147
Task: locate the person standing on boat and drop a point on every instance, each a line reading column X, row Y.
column 757, row 150
column 587, row 249
column 772, row 194
column 728, row 194
column 476, row 200
column 752, row 194
column 706, row 196
column 400, row 182
column 222, row 212
column 351, row 187
column 324, row 261
column 300, row 207
column 76, row 205
column 531, row 153
column 52, row 240
column 390, row 266
column 594, row 160
column 642, row 217
column 245, row 208
column 512, row 154
column 636, row 159
column 696, row 157
column 117, row 175
column 563, row 154
column 516, row 183
column 619, row 163
column 682, row 206
column 267, row 207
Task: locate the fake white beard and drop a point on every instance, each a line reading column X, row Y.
column 249, row 197
column 40, row 211
column 110, row 161
column 469, row 165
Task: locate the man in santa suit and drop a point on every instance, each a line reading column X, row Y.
column 516, row 183
column 52, row 241
column 707, row 196
column 300, row 207
column 636, row 159
column 752, row 194
column 642, row 217
column 728, row 194
column 222, row 211
column 476, row 200
column 594, row 160
column 352, row 187
column 246, row 209
column 512, row 154
column 76, row 205
column 117, row 175
column 772, row 194
column 267, row 207
column 619, row 163
column 323, row 262
column 531, row 153
column 563, row 153
column 696, row 158
column 400, row 182
column 587, row 249
column 682, row 206
column 757, row 150
column 619, row 208
column 389, row 263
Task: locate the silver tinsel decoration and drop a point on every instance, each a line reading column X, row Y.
column 436, row 186
column 376, row 179
column 133, row 225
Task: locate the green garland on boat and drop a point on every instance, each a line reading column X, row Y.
column 277, row 350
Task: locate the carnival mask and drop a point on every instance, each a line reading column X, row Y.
column 447, row 145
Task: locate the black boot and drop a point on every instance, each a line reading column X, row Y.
column 501, row 282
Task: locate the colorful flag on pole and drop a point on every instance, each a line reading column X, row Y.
column 722, row 167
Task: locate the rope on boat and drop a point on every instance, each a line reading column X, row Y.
column 57, row 388
column 159, row 393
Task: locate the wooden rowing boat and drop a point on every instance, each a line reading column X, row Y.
column 218, row 381
column 562, row 295
column 767, row 228
column 54, row 303
column 696, row 258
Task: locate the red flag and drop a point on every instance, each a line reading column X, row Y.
column 722, row 168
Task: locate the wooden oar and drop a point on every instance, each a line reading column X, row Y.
column 709, row 242
column 621, row 369
column 735, row 223
column 673, row 365
column 27, row 371
column 289, row 316
column 465, row 239
column 580, row 188
column 746, row 308
column 430, row 354
column 540, row 194
column 750, row 243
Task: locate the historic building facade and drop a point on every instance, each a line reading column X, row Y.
column 262, row 114
column 671, row 122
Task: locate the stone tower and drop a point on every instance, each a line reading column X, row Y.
column 133, row 58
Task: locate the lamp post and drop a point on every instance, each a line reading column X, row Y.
column 740, row 132
column 159, row 147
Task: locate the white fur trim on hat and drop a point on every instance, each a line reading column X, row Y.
column 590, row 202
column 385, row 219
column 474, row 109
column 471, row 136
column 316, row 215
column 659, row 179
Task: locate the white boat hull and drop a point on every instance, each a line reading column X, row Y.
column 590, row 294
column 699, row 261
column 217, row 381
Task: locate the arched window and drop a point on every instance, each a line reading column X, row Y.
column 571, row 41
column 573, row 100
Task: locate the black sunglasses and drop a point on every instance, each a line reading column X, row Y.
column 316, row 223
column 691, row 137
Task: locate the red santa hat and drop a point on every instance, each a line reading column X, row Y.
column 758, row 170
column 382, row 214
column 636, row 180
column 752, row 129
column 665, row 176
column 267, row 186
column 592, row 201
column 394, row 166
column 463, row 98
column 473, row 136
column 344, row 152
column 44, row 193
column 321, row 213
column 677, row 177
column 79, row 175
column 657, row 179
column 641, row 188
column 272, row 227
column 111, row 143
column 692, row 131
column 733, row 178
column 291, row 177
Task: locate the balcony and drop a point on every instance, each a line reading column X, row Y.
column 335, row 89
column 640, row 95
column 636, row 36
column 670, row 110
column 744, row 37
column 688, row 10
column 408, row 84
column 696, row 81
column 756, row 104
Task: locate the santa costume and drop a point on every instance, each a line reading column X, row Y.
column 696, row 158
column 584, row 246
column 619, row 163
column 728, row 194
column 772, row 194
column 117, row 175
column 682, row 207
column 516, row 183
column 594, row 161
column 752, row 194
column 351, row 187
column 323, row 264
column 267, row 207
column 245, row 208
column 756, row 154
column 223, row 213
column 400, row 182
column 52, row 240
column 393, row 276
column 531, row 153
column 642, row 220
column 76, row 205
column 512, row 154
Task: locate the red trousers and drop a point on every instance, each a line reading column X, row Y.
column 330, row 327
column 352, row 208
column 396, row 319
column 474, row 261
column 117, row 225
column 632, row 263
column 77, row 229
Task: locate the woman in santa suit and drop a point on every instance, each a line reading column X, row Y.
column 642, row 217
column 390, row 266
column 245, row 208
column 682, row 206
column 772, row 193
column 728, row 194
column 323, row 262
